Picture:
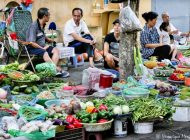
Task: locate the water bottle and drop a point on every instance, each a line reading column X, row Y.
column 105, row 4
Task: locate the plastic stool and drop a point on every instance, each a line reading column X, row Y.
column 96, row 135
column 75, row 61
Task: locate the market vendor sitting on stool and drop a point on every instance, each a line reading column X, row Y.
column 150, row 42
column 37, row 38
column 77, row 35
column 111, row 47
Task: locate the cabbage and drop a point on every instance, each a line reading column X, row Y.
column 89, row 103
column 117, row 110
column 125, row 109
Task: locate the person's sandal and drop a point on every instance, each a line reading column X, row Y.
column 101, row 60
column 63, row 74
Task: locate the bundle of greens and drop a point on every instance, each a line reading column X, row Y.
column 112, row 99
column 46, row 70
column 9, row 67
column 138, row 61
column 147, row 109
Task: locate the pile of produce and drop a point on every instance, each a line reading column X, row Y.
column 184, row 93
column 2, row 76
column 147, row 109
column 92, row 114
column 6, row 112
column 23, row 99
column 10, row 67
column 33, row 129
column 25, row 89
column 19, row 76
column 112, row 99
column 46, row 70
column 45, row 95
column 177, row 77
column 31, row 113
column 71, row 108
column 53, row 86
column 138, row 61
column 163, row 71
column 73, row 122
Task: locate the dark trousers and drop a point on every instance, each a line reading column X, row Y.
column 162, row 52
column 81, row 47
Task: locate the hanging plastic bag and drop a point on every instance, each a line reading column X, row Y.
column 129, row 21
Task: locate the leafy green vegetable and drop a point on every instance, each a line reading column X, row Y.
column 112, row 99
column 147, row 109
column 9, row 67
column 46, row 70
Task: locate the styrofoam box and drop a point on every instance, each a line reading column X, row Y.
column 182, row 114
column 66, row 52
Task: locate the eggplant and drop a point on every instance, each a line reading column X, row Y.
column 57, row 122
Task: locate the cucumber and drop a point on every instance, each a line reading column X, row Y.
column 15, row 93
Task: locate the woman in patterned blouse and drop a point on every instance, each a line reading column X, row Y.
column 149, row 38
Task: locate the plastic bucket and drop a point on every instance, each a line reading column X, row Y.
column 120, row 127
column 143, row 128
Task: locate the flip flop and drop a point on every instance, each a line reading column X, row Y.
column 62, row 74
column 99, row 61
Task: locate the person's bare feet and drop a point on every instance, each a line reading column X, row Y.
column 92, row 65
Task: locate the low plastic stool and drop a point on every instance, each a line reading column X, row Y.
column 75, row 61
column 96, row 135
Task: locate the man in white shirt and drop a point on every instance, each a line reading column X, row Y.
column 77, row 35
column 173, row 30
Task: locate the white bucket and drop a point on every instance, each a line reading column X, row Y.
column 120, row 127
column 143, row 128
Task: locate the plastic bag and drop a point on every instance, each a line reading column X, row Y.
column 46, row 69
column 34, row 135
column 129, row 21
column 90, row 77
column 32, row 110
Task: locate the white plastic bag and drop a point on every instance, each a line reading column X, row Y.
column 129, row 21
column 91, row 76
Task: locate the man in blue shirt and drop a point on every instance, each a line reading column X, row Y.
column 37, row 38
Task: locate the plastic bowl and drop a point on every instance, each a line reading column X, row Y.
column 150, row 64
column 56, row 102
column 162, row 72
column 97, row 127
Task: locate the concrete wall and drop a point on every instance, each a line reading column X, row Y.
column 61, row 11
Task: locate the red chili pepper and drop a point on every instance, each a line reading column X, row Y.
column 102, row 121
column 103, row 107
column 77, row 124
column 95, row 110
column 70, row 119
column 76, row 120
column 70, row 126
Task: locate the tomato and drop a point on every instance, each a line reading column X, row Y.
column 70, row 126
column 102, row 121
column 77, row 125
column 70, row 119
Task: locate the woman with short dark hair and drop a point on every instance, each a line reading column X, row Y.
column 149, row 38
